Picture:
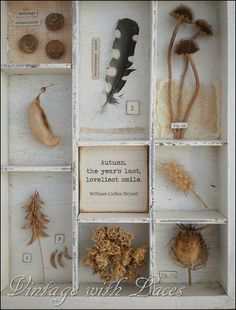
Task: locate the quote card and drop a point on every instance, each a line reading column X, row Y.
column 114, row 179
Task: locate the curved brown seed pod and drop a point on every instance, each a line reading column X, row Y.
column 40, row 126
column 55, row 49
column 65, row 253
column 53, row 259
column 28, row 43
column 59, row 259
column 54, row 21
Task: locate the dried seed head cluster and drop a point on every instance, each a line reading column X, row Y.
column 36, row 219
column 184, row 13
column 188, row 248
column 186, row 46
column 204, row 27
column 180, row 178
column 112, row 257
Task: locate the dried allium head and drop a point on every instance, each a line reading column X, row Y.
column 126, row 239
column 119, row 272
column 139, row 255
column 186, row 46
column 112, row 256
column 127, row 257
column 178, row 176
column 102, row 261
column 113, row 232
column 184, row 13
column 204, row 27
column 99, row 234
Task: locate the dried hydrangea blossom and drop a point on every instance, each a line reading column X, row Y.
column 112, row 257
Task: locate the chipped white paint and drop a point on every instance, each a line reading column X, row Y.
column 14, row 69
column 155, row 227
column 170, row 142
column 34, row 168
column 114, row 218
column 190, row 217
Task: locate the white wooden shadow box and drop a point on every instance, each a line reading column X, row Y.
column 106, row 169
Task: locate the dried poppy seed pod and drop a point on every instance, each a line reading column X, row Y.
column 204, row 27
column 188, row 249
column 54, row 21
column 183, row 13
column 28, row 43
column 186, row 46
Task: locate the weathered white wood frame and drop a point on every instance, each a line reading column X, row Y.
column 195, row 298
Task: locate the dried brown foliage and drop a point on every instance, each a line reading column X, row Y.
column 112, row 257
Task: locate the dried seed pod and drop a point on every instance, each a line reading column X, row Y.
column 183, row 13
column 188, row 249
column 66, row 254
column 179, row 176
column 54, row 21
column 186, row 46
column 55, row 49
column 204, row 27
column 40, row 126
column 53, row 259
column 28, row 43
column 59, row 259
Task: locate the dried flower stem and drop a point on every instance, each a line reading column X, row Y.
column 181, row 87
column 36, row 220
column 42, row 260
column 195, row 94
column 180, row 95
column 189, row 276
column 169, row 63
column 199, row 198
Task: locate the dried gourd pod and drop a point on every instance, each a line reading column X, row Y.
column 28, row 43
column 39, row 124
column 55, row 49
column 188, row 249
column 54, row 21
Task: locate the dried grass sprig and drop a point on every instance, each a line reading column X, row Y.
column 37, row 221
column 180, row 178
column 188, row 248
column 182, row 14
column 112, row 257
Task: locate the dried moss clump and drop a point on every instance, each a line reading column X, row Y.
column 112, row 257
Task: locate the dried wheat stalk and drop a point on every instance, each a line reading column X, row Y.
column 112, row 257
column 188, row 248
column 179, row 176
column 37, row 221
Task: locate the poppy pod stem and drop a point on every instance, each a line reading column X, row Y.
column 189, row 276
column 195, row 94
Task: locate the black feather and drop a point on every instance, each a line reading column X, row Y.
column 126, row 46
